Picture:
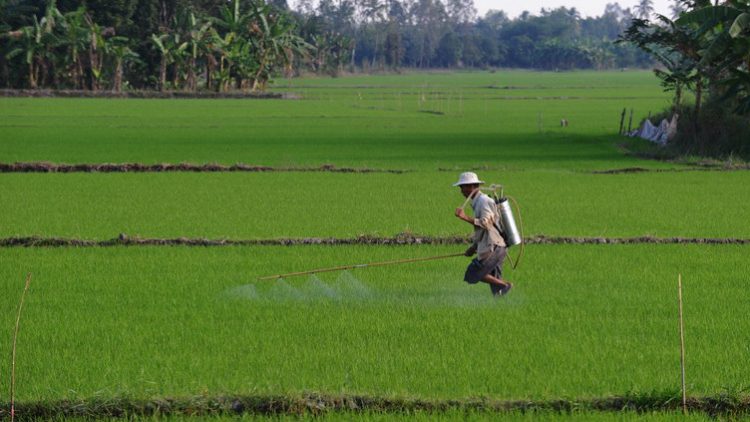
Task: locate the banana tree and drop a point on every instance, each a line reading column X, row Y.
column 227, row 48
column 230, row 41
column 34, row 42
column 4, row 69
column 171, row 48
column 118, row 48
column 677, row 48
column 739, row 83
column 232, row 19
column 724, row 34
column 75, row 39
column 97, row 46
column 200, row 40
column 332, row 52
column 274, row 42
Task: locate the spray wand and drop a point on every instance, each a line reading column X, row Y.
column 350, row 267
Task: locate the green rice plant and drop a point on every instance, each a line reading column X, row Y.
column 118, row 325
column 276, row 205
column 582, row 321
column 415, row 122
column 431, row 416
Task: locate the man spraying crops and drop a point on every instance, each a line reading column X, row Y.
column 488, row 243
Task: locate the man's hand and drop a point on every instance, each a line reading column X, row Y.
column 462, row 215
column 471, row 251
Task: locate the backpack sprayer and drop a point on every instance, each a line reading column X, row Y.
column 506, row 225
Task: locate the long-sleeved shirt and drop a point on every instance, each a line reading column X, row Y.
column 486, row 234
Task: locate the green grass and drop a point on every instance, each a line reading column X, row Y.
column 448, row 415
column 479, row 416
column 272, row 205
column 437, row 416
column 583, row 321
column 338, row 121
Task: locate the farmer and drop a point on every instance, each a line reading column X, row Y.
column 488, row 243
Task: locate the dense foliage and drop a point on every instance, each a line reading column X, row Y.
column 149, row 44
column 434, row 33
column 706, row 51
column 241, row 44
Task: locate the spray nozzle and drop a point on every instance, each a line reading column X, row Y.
column 494, row 188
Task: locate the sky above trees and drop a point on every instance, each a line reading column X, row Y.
column 586, row 7
column 590, row 8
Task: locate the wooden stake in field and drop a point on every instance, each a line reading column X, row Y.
column 630, row 122
column 13, row 358
column 682, row 344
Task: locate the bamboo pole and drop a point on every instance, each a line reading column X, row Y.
column 349, row 267
column 682, row 344
column 13, row 358
column 468, row 198
column 630, row 122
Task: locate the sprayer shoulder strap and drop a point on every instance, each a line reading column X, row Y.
column 499, row 220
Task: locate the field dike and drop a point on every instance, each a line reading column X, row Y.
column 73, row 93
column 401, row 239
column 628, row 170
column 46, row 167
column 320, row 404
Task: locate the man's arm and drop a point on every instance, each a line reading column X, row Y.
column 461, row 214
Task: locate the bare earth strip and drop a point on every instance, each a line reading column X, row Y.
column 45, row 167
column 315, row 404
column 677, row 170
column 125, row 240
column 70, row 93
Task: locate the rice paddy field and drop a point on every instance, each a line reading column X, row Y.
column 589, row 331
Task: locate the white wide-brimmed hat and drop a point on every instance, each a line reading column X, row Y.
column 468, row 178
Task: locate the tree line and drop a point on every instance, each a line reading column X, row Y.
column 242, row 44
column 146, row 44
column 383, row 35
